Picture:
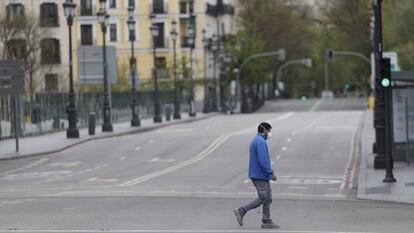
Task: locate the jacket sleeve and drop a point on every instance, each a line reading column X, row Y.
column 263, row 157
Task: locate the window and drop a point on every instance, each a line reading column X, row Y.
column 160, row 42
column 131, row 3
column 49, row 15
column 17, row 48
column 15, row 10
column 161, row 64
column 51, row 83
column 50, row 51
column 158, row 7
column 86, row 8
column 112, row 33
column 86, row 35
column 183, row 7
column 112, row 3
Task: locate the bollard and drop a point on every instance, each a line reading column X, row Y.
column 92, row 123
column 168, row 111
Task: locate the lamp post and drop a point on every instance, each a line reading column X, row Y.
column 103, row 18
column 306, row 61
column 214, row 47
column 191, row 37
column 157, row 106
column 72, row 131
column 131, row 27
column 174, row 35
column 206, row 107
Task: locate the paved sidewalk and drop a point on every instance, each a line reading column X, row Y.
column 370, row 185
column 55, row 142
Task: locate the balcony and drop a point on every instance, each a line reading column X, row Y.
column 220, row 9
column 161, row 42
column 184, row 42
column 87, row 11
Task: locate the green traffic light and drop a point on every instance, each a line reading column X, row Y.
column 385, row 82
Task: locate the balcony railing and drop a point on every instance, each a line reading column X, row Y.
column 222, row 9
column 87, row 11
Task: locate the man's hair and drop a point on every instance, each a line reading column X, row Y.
column 262, row 126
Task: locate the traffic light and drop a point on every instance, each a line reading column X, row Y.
column 329, row 54
column 347, row 86
column 385, row 79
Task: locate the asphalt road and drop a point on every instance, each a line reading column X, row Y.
column 189, row 177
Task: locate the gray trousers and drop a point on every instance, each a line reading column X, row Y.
column 264, row 192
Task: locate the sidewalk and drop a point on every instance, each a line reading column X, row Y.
column 55, row 142
column 370, row 185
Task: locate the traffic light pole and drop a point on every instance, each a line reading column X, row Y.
column 386, row 86
column 379, row 109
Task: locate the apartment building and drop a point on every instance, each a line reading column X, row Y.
column 42, row 42
column 87, row 32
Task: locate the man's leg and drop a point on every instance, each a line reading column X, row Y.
column 252, row 205
column 266, row 204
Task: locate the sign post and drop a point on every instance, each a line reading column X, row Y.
column 12, row 84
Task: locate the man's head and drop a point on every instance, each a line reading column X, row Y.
column 264, row 128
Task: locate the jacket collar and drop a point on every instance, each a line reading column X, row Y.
column 262, row 135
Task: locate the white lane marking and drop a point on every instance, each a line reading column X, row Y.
column 298, row 187
column 123, row 158
column 246, row 181
column 252, row 129
column 151, row 141
column 97, row 179
column 293, row 133
column 161, row 160
column 289, row 140
column 169, row 231
column 278, row 157
column 65, row 165
column 212, row 147
column 38, row 162
column 18, row 201
column 137, row 148
column 284, row 148
column 335, row 195
column 313, row 123
column 273, row 163
column 316, row 105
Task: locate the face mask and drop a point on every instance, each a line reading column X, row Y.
column 269, row 135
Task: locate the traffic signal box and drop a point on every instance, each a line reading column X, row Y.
column 385, row 79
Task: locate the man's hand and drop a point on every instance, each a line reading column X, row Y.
column 274, row 178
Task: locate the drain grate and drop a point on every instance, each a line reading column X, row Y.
column 380, row 189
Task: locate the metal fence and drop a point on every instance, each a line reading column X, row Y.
column 46, row 113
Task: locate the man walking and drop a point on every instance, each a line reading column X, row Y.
column 260, row 172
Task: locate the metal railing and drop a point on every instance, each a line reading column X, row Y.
column 46, row 113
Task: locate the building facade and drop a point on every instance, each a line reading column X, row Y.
column 38, row 39
column 87, row 32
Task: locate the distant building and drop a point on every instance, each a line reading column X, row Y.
column 51, row 49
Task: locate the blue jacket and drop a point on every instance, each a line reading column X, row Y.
column 259, row 164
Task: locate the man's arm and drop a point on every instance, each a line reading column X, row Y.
column 263, row 158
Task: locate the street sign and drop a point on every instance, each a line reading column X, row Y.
column 394, row 60
column 11, row 77
column 90, row 64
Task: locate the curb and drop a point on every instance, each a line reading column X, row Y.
column 134, row 131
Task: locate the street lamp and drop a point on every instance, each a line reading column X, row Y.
column 307, row 62
column 214, row 47
column 191, row 37
column 157, row 106
column 72, row 131
column 131, row 27
column 174, row 35
column 103, row 18
column 206, row 108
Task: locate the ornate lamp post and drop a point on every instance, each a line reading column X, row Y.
column 191, row 36
column 206, row 107
column 103, row 18
column 72, row 131
column 131, row 27
column 214, row 47
column 174, row 35
column 157, row 105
